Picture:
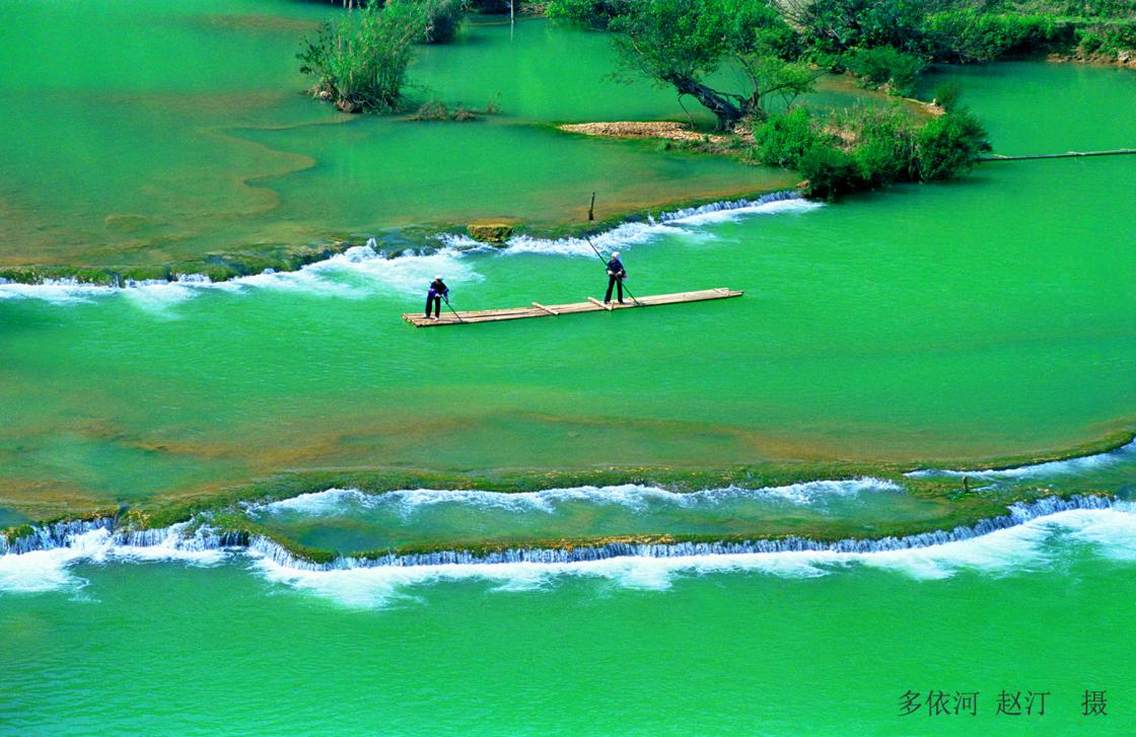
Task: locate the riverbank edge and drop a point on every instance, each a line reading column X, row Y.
column 224, row 511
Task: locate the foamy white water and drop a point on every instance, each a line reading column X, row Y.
column 1029, row 546
column 51, row 569
column 637, row 497
column 363, row 270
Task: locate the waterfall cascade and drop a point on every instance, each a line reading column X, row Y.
column 188, row 536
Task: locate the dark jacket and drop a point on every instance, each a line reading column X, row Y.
column 615, row 268
column 438, row 288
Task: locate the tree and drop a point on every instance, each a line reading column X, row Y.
column 681, row 43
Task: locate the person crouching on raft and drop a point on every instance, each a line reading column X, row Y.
column 615, row 276
column 438, row 290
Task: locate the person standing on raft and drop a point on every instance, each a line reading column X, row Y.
column 615, row 276
column 434, row 296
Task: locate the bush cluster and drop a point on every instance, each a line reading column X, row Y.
column 596, row 14
column 442, row 19
column 783, row 139
column 886, row 66
column 968, row 35
column 866, row 148
column 1107, row 40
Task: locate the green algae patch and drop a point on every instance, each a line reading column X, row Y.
column 217, row 267
column 959, row 510
column 954, row 501
column 12, row 534
column 495, row 232
column 1110, row 442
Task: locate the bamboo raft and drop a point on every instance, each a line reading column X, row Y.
column 470, row 317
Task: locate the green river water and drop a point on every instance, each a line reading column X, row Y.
column 928, row 326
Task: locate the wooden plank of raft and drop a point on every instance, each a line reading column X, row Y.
column 549, row 310
column 469, row 317
column 599, row 304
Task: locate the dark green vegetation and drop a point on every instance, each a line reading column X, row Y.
column 682, row 43
column 886, row 66
column 360, row 62
column 887, row 43
column 1106, row 41
column 760, row 48
column 866, row 148
column 685, row 44
column 952, row 30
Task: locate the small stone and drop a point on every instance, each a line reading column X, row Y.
column 494, row 233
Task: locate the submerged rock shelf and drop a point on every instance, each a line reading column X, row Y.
column 198, row 536
column 222, row 267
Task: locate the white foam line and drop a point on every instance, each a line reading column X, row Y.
column 1011, row 543
column 360, row 270
column 61, row 291
column 630, row 234
column 634, row 496
column 1026, row 546
column 1126, row 453
column 704, row 216
column 50, row 569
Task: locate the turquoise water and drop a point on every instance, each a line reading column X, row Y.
column 771, row 645
column 1021, row 343
column 151, row 133
column 928, row 327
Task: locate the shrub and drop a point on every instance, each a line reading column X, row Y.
column 968, row 35
column 361, row 64
column 830, row 172
column 866, row 148
column 491, row 6
column 437, row 111
column 1099, row 8
column 1106, row 40
column 432, row 110
column 884, row 151
column 442, row 18
column 886, row 65
column 834, row 26
column 949, row 145
column 947, row 95
column 596, row 14
column 783, row 139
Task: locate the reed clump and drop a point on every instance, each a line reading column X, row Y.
column 359, row 64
